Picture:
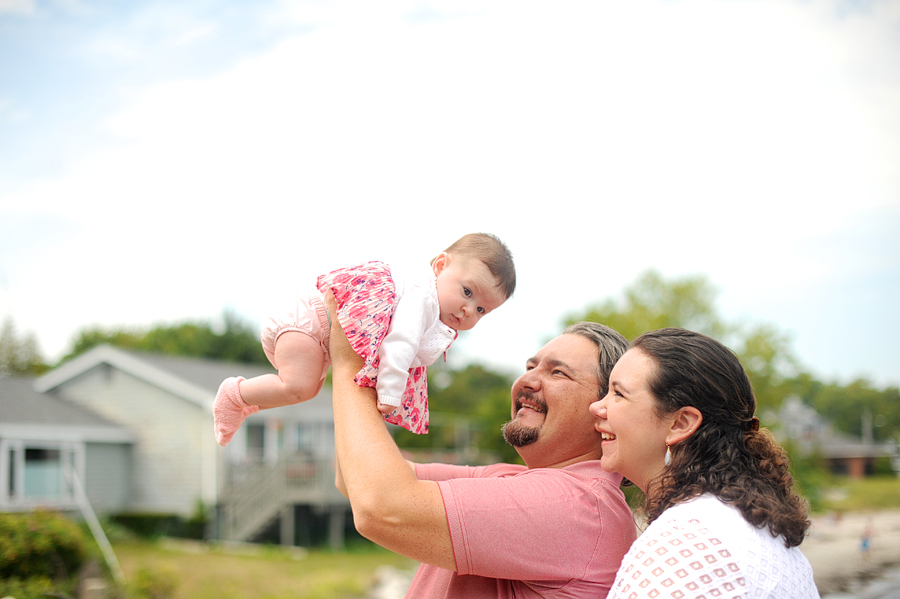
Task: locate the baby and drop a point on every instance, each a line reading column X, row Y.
column 398, row 324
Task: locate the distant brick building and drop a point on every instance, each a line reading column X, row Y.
column 845, row 454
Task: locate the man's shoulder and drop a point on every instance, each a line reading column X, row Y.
column 593, row 470
column 588, row 474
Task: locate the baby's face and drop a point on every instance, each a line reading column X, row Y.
column 466, row 291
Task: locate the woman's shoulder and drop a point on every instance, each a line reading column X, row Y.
column 761, row 554
column 707, row 544
column 704, row 517
column 703, row 507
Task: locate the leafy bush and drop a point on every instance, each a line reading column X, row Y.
column 38, row 587
column 153, row 526
column 40, row 544
column 150, row 526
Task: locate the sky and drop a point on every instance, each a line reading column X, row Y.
column 168, row 160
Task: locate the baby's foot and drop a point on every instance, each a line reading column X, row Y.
column 229, row 410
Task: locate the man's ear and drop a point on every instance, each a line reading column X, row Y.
column 685, row 423
column 440, row 263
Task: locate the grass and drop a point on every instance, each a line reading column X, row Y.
column 869, row 494
column 193, row 571
column 181, row 570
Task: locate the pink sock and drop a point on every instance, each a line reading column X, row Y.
column 229, row 410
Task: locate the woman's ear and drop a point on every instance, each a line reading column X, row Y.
column 685, row 422
column 440, row 263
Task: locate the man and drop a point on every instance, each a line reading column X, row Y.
column 557, row 527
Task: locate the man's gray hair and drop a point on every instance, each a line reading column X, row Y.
column 610, row 343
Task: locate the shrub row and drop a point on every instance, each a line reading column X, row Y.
column 38, row 544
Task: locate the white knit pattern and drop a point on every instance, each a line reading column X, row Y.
column 704, row 549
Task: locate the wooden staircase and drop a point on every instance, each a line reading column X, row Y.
column 258, row 494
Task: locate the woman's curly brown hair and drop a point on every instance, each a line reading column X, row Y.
column 726, row 456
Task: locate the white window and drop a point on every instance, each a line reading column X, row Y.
column 35, row 473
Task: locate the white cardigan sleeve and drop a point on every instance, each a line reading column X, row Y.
column 412, row 317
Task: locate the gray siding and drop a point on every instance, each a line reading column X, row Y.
column 170, row 433
column 107, row 467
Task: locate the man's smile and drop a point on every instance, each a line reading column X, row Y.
column 529, row 401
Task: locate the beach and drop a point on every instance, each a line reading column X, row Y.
column 833, row 550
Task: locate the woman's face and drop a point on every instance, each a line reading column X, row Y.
column 634, row 437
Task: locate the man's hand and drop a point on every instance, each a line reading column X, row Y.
column 342, row 353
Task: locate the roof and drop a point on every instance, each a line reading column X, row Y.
column 836, row 445
column 811, row 432
column 193, row 379
column 28, row 414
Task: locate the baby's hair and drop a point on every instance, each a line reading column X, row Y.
column 493, row 252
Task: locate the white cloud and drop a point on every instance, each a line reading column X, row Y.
column 23, row 7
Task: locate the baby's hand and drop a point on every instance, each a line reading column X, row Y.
column 386, row 408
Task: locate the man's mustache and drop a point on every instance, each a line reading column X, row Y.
column 526, row 396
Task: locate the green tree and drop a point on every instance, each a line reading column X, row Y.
column 237, row 341
column 766, row 355
column 92, row 336
column 19, row 355
column 848, row 407
column 467, row 411
column 652, row 303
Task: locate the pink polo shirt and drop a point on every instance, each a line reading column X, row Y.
column 523, row 533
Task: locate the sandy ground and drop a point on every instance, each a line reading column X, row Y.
column 833, row 549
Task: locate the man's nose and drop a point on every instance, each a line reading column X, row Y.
column 530, row 380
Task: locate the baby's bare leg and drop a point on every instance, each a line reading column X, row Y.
column 299, row 359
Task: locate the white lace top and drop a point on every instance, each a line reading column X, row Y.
column 705, row 549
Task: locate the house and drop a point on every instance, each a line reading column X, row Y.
column 844, row 454
column 137, row 430
column 44, row 441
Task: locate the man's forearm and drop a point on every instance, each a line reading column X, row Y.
column 390, row 506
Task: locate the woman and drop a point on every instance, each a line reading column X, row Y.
column 724, row 520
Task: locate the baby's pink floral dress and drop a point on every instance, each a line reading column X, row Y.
column 365, row 297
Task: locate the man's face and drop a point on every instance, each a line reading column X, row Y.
column 551, row 425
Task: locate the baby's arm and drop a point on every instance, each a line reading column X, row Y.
column 400, row 347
